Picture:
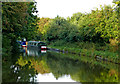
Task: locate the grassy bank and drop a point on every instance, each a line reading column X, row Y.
column 103, row 51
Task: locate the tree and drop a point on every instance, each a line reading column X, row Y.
column 42, row 28
column 17, row 21
column 61, row 29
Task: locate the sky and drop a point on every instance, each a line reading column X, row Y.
column 65, row 8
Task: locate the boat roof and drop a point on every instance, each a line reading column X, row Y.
column 35, row 42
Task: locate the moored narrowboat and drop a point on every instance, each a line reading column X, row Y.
column 36, row 45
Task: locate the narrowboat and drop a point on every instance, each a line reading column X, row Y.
column 36, row 45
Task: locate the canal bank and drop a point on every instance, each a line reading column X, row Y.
column 90, row 50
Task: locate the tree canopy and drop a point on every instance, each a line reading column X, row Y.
column 18, row 21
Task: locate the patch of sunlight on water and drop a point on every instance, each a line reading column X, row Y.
column 50, row 78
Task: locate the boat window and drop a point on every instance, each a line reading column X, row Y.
column 36, row 44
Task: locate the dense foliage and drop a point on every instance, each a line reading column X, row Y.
column 96, row 33
column 61, row 29
column 98, row 26
column 42, row 28
column 18, row 21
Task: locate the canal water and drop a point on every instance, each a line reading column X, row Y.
column 30, row 65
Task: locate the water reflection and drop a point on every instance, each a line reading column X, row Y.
column 35, row 66
column 49, row 77
column 32, row 51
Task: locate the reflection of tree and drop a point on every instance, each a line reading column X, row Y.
column 7, row 73
column 39, row 65
column 22, row 62
column 25, row 73
column 24, row 70
column 90, row 76
column 111, row 76
column 80, row 71
column 8, row 59
column 12, row 72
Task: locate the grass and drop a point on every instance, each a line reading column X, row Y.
column 88, row 49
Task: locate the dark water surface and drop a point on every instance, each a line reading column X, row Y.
column 48, row 66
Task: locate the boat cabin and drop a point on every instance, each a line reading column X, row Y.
column 37, row 44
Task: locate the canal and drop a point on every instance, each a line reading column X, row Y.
column 50, row 66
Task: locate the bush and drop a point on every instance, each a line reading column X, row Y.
column 61, row 29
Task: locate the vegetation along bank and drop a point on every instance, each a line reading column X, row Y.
column 91, row 34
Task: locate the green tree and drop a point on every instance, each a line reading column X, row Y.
column 109, row 23
column 42, row 28
column 30, row 29
column 61, row 29
column 17, row 21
